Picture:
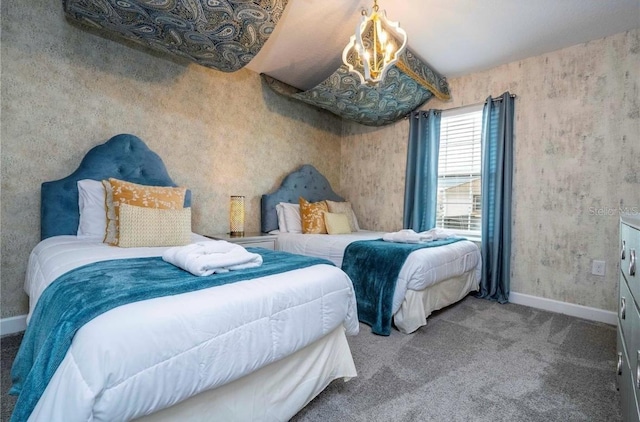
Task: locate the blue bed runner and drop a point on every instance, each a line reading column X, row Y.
column 80, row 295
column 373, row 266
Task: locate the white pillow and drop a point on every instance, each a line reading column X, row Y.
column 93, row 213
column 282, row 225
column 292, row 219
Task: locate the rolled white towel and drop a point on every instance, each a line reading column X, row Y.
column 213, row 256
column 438, row 233
column 410, row 236
column 405, row 236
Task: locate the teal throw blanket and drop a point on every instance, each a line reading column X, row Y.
column 373, row 266
column 80, row 295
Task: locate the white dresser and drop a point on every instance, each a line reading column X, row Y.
column 629, row 319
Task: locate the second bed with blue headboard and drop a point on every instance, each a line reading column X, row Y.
column 430, row 279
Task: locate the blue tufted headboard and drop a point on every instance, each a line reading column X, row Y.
column 124, row 157
column 306, row 182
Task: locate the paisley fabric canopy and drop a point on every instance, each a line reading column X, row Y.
column 221, row 34
column 228, row 34
column 407, row 85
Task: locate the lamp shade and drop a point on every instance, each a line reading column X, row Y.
column 236, row 216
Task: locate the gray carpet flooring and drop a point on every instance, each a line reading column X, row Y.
column 475, row 361
column 8, row 348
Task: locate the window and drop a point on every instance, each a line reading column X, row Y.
column 459, row 171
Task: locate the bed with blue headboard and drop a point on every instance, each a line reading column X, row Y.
column 124, row 157
column 167, row 351
column 429, row 279
column 306, row 182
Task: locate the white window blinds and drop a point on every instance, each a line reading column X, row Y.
column 459, row 170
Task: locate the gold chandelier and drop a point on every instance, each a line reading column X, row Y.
column 376, row 46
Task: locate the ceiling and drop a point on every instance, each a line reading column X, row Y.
column 454, row 37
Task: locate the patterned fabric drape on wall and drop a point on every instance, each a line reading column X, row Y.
column 421, row 182
column 497, row 182
column 227, row 34
column 222, row 34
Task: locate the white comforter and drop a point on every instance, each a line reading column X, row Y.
column 423, row 268
column 145, row 356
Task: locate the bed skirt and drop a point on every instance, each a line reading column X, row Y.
column 419, row 304
column 274, row 393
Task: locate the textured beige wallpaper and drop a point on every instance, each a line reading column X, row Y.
column 577, row 153
column 577, row 143
column 65, row 90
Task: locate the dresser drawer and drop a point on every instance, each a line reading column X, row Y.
column 629, row 251
column 249, row 240
column 625, row 381
column 628, row 319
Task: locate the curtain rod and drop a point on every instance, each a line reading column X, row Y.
column 467, row 105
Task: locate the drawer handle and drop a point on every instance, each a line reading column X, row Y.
column 638, row 371
column 623, row 308
column 632, row 262
column 619, row 366
column 622, row 251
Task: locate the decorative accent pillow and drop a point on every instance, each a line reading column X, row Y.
column 118, row 192
column 146, row 227
column 93, row 215
column 312, row 215
column 292, row 219
column 344, row 208
column 336, row 223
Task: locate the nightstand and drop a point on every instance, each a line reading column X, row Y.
column 249, row 240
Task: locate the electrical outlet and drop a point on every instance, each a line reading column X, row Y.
column 597, row 267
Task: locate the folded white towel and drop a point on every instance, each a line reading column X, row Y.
column 410, row 236
column 403, row 236
column 214, row 256
column 439, row 234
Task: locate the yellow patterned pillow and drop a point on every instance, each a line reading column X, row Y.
column 312, row 216
column 118, row 192
column 146, row 227
column 336, row 223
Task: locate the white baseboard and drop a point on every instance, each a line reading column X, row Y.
column 580, row 311
column 13, row 325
